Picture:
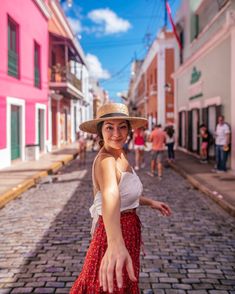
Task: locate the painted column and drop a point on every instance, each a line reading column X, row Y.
column 72, row 104
column 161, row 103
column 49, row 140
column 58, row 124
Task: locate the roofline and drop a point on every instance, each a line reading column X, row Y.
column 68, row 30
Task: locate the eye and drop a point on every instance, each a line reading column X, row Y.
column 124, row 127
column 109, row 128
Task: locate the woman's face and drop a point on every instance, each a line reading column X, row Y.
column 115, row 133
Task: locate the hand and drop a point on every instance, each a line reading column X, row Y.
column 115, row 257
column 225, row 147
column 162, row 207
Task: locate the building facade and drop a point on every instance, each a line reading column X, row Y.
column 204, row 79
column 23, row 79
column 68, row 79
column 151, row 89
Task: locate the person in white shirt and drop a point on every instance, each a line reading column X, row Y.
column 222, row 138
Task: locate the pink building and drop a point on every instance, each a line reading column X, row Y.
column 23, row 79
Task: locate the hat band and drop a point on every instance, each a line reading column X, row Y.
column 113, row 114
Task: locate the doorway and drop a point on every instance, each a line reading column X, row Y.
column 15, row 132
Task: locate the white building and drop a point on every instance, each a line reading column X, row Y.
column 205, row 78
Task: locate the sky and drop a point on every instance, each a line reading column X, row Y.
column 113, row 33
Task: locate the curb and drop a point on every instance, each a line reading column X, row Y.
column 195, row 183
column 16, row 191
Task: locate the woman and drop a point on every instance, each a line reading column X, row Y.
column 112, row 261
column 204, row 134
column 139, row 145
column 170, row 142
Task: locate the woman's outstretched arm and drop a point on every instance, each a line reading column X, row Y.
column 154, row 204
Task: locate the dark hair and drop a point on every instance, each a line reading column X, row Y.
column 99, row 131
column 170, row 131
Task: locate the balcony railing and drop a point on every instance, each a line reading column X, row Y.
column 12, row 63
column 61, row 74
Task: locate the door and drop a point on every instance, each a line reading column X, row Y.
column 15, row 132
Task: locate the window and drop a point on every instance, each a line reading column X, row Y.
column 194, row 26
column 37, row 76
column 13, row 49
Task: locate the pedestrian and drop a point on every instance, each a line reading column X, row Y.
column 205, row 140
column 126, row 145
column 82, row 146
column 222, row 140
column 112, row 260
column 158, row 139
column 170, row 142
column 139, row 146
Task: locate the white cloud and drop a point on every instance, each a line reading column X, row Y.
column 75, row 25
column 109, row 21
column 95, row 67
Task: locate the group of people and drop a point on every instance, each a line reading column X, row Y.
column 158, row 138
column 220, row 140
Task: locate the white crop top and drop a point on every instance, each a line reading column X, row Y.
column 130, row 189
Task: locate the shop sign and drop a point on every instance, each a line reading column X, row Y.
column 195, row 76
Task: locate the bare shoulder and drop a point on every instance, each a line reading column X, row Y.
column 105, row 161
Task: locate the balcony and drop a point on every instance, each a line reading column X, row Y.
column 61, row 74
column 61, row 79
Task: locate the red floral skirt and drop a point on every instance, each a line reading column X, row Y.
column 88, row 280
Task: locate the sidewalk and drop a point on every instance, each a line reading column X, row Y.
column 21, row 176
column 219, row 187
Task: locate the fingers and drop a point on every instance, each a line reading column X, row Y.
column 102, row 275
column 110, row 270
column 106, row 273
column 130, row 269
column 118, row 272
column 165, row 210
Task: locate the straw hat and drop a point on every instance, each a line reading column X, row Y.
column 112, row 111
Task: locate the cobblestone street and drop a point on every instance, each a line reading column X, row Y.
column 44, row 235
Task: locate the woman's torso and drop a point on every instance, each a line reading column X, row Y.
column 130, row 189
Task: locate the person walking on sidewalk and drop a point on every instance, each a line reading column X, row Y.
column 82, row 146
column 170, row 142
column 222, row 140
column 139, row 145
column 158, row 139
column 205, row 137
column 112, row 260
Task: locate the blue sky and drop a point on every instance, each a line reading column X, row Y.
column 112, row 33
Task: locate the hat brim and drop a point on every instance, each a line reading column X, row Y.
column 90, row 126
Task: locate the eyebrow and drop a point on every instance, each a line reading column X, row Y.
column 109, row 123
